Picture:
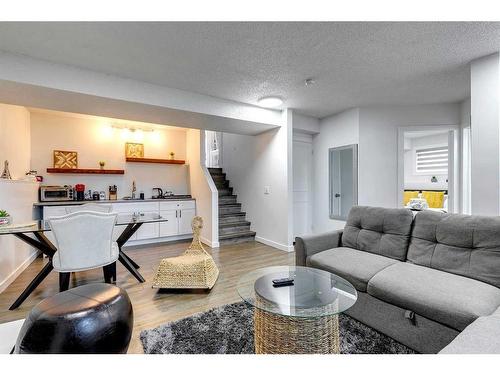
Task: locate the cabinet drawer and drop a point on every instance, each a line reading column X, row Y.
column 176, row 205
column 49, row 212
column 135, row 207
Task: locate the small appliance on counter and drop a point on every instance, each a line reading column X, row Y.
column 55, row 193
column 80, row 192
column 102, row 195
column 96, row 196
column 159, row 194
column 113, row 193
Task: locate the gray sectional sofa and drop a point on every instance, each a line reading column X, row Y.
column 430, row 280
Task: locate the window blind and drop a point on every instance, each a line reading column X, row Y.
column 432, row 160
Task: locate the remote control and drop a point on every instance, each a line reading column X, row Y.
column 282, row 281
column 284, row 284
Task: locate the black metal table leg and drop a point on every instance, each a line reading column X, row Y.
column 124, row 237
column 32, row 286
column 46, row 247
column 130, row 268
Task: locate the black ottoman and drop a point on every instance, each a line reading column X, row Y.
column 94, row 318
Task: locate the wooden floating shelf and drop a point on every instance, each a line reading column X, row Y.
column 85, row 171
column 155, row 161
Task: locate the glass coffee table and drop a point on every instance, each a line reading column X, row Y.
column 297, row 319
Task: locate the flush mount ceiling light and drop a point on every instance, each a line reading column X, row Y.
column 270, row 101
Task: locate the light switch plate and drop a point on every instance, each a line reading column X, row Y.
column 267, row 189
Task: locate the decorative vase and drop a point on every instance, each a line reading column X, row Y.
column 5, row 220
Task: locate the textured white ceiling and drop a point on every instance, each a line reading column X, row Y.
column 354, row 64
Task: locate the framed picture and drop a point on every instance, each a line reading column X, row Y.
column 134, row 150
column 65, row 159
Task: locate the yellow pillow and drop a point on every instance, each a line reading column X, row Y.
column 434, row 198
column 407, row 195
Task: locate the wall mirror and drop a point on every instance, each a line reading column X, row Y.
column 343, row 177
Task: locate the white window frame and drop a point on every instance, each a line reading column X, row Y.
column 436, row 172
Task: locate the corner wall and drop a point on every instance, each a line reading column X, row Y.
column 253, row 163
column 485, row 137
column 202, row 188
column 334, row 131
column 16, row 197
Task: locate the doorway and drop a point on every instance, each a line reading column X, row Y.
column 213, row 147
column 428, row 168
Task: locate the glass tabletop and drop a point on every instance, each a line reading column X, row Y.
column 315, row 292
column 43, row 225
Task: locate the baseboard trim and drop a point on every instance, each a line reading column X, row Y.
column 9, row 279
column 210, row 243
column 274, row 244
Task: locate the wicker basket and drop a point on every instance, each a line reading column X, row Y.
column 195, row 269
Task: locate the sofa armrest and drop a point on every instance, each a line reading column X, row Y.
column 309, row 245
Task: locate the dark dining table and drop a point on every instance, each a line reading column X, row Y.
column 33, row 233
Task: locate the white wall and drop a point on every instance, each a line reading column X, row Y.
column 202, row 188
column 335, row 131
column 378, row 146
column 16, row 197
column 305, row 124
column 485, row 126
column 41, row 84
column 92, row 139
column 15, row 139
column 413, row 180
column 253, row 162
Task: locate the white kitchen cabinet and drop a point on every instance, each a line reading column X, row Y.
column 170, row 227
column 178, row 213
column 185, row 218
column 148, row 230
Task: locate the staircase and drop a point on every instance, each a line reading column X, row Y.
column 233, row 227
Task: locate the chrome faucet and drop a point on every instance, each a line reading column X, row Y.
column 133, row 189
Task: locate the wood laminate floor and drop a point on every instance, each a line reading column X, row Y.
column 152, row 307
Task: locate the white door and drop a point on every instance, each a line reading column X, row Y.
column 302, row 176
column 170, row 227
column 185, row 218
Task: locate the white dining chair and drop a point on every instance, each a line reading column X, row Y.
column 84, row 241
column 96, row 207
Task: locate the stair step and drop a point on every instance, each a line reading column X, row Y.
column 221, row 184
column 219, row 177
column 227, row 199
column 235, row 227
column 215, row 170
column 234, row 217
column 230, row 208
column 237, row 237
column 225, row 191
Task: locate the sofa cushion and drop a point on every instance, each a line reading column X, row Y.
column 481, row 337
column 453, row 300
column 461, row 244
column 383, row 231
column 356, row 266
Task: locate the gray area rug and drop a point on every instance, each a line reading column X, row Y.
column 228, row 329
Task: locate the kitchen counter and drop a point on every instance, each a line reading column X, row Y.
column 69, row 203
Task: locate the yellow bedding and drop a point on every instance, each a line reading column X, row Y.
column 407, row 195
column 434, row 198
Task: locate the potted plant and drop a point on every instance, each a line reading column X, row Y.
column 102, row 163
column 172, row 155
column 5, row 218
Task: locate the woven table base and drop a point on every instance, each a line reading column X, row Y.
column 278, row 334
